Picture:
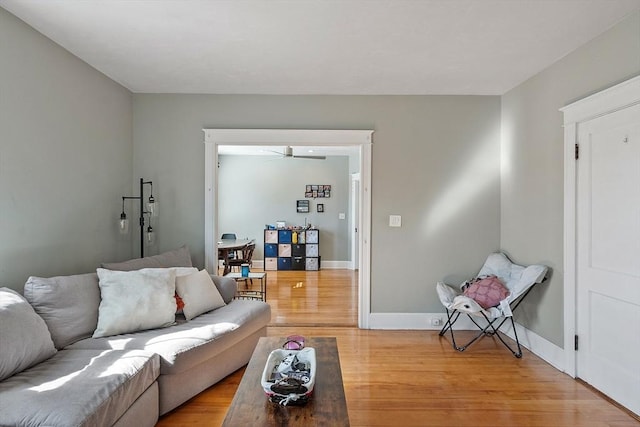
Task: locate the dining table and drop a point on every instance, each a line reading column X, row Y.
column 227, row 246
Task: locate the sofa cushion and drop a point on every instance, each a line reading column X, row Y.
column 187, row 344
column 68, row 305
column 24, row 337
column 77, row 388
column 199, row 294
column 135, row 300
column 177, row 258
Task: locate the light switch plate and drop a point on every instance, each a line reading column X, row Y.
column 395, row 221
column 341, row 215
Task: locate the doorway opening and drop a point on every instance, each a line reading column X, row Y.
column 360, row 139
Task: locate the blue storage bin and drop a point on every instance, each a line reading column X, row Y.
column 284, row 263
column 271, row 250
column 284, row 236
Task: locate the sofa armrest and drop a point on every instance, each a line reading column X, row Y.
column 226, row 286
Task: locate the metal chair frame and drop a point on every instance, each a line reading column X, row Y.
column 453, row 315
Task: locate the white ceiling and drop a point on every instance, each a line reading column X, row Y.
column 483, row 47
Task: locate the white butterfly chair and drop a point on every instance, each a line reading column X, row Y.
column 517, row 279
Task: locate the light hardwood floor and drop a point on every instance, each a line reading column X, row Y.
column 412, row 378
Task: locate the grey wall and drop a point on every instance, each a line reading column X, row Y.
column 65, row 159
column 532, row 160
column 258, row 190
column 435, row 162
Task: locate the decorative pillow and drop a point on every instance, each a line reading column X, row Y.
column 199, row 294
column 179, row 304
column 68, row 305
column 24, row 337
column 226, row 286
column 177, row 258
column 487, row 291
column 182, row 271
column 135, row 300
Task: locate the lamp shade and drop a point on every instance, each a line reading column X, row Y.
column 150, row 238
column 123, row 224
column 152, row 206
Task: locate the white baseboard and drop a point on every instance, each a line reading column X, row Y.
column 539, row 346
column 415, row 321
column 335, row 265
column 544, row 349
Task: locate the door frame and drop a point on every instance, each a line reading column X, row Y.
column 354, row 193
column 362, row 139
column 615, row 98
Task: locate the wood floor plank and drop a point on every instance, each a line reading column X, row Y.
column 413, row 378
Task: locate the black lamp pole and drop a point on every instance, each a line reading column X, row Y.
column 142, row 211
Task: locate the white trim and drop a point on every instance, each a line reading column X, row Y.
column 569, row 245
column 415, row 321
column 294, row 137
column 354, row 178
column 539, row 346
column 620, row 96
column 210, row 212
column 291, row 137
column 335, row 265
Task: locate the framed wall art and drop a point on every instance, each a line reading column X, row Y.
column 302, row 206
column 313, row 191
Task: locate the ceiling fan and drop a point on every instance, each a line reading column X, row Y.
column 288, row 152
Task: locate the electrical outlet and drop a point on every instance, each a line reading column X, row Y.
column 395, row 221
column 436, row 321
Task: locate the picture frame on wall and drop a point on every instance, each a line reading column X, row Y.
column 302, row 206
column 313, row 191
column 320, row 207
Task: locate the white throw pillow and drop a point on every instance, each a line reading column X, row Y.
column 135, row 300
column 199, row 294
column 24, row 337
column 182, row 271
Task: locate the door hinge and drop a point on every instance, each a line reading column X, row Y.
column 575, row 342
column 577, row 151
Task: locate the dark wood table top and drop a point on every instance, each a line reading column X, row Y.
column 327, row 406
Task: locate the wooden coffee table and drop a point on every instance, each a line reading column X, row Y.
column 327, row 406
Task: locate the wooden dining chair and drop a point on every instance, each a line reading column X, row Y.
column 230, row 255
column 246, row 255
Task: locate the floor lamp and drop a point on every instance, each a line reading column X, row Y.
column 149, row 208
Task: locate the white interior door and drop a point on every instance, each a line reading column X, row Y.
column 608, row 255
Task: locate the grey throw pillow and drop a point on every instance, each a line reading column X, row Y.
column 199, row 294
column 226, row 286
column 68, row 305
column 177, row 258
column 24, row 337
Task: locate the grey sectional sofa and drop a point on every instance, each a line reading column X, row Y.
column 53, row 372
